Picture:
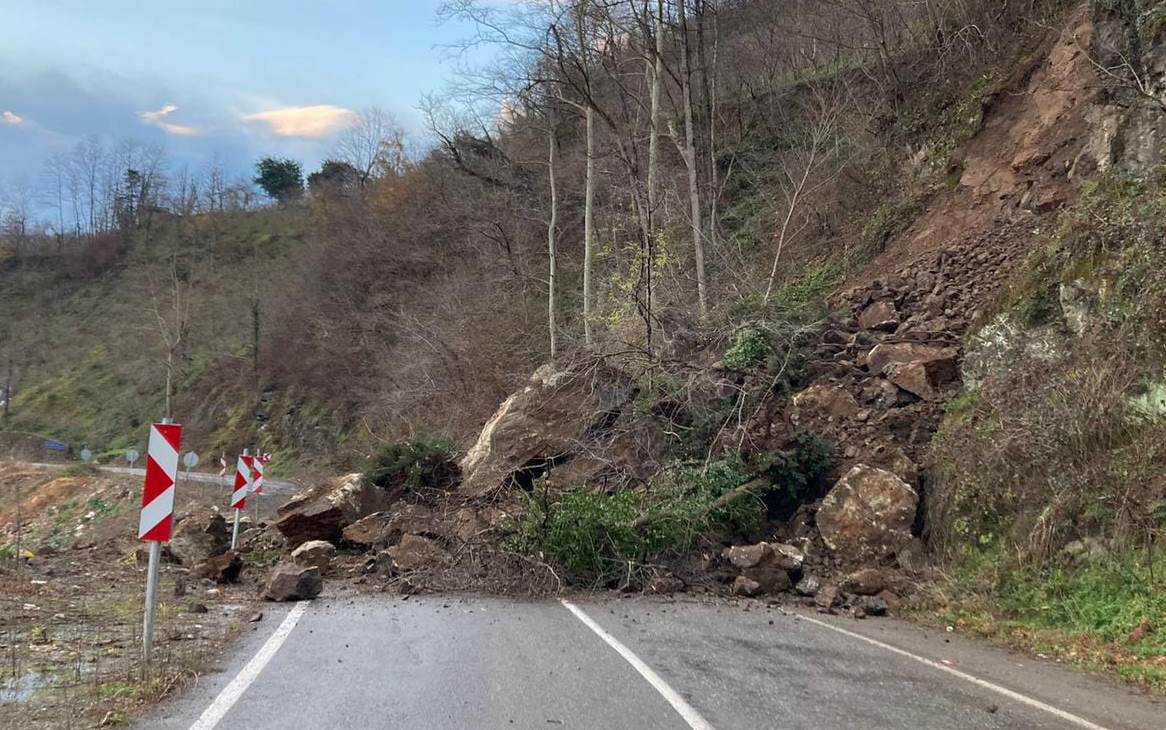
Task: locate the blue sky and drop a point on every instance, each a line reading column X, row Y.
column 235, row 79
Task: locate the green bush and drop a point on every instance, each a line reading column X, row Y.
column 423, row 463
column 796, row 474
column 750, row 347
column 602, row 538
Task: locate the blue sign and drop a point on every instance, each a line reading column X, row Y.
column 56, row 445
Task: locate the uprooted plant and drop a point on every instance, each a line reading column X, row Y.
column 601, row 538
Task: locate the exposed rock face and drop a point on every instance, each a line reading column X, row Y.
column 291, row 582
column 324, row 511
column 545, row 425
column 415, row 552
column 200, row 536
column 314, row 554
column 868, row 514
column 224, row 568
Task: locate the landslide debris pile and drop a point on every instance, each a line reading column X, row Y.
column 702, row 471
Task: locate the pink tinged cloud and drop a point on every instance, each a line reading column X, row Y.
column 12, row 119
column 158, row 119
column 311, row 122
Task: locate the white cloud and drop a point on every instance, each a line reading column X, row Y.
column 12, row 119
column 312, row 122
column 158, row 119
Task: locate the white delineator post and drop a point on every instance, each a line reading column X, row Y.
column 157, row 517
column 257, row 464
column 239, row 495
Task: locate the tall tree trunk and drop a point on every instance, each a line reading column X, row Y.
column 690, row 163
column 588, row 223
column 551, row 225
column 655, row 71
column 708, row 66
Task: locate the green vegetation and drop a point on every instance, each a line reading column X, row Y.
column 601, row 538
column 750, row 347
column 1105, row 614
column 282, row 179
column 796, row 474
column 424, row 463
column 1049, row 454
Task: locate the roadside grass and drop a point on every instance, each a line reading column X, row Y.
column 1106, row 616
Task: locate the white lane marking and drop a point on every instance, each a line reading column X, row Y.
column 685, row 710
column 1024, row 699
column 233, row 691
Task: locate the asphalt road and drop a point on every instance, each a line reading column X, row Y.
column 270, row 486
column 481, row 664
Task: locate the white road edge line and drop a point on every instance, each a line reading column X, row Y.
column 1024, row 699
column 233, row 691
column 685, row 710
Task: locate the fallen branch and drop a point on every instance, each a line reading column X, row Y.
column 747, row 489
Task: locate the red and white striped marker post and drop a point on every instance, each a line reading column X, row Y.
column 257, row 464
column 243, row 480
column 157, row 516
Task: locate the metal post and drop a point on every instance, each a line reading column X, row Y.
column 151, row 593
column 235, row 531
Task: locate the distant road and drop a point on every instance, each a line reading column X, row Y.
column 467, row 663
column 270, row 486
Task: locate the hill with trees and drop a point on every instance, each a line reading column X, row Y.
column 923, row 234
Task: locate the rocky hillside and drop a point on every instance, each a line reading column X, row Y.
column 986, row 392
column 890, row 338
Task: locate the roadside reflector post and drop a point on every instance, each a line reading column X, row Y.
column 257, row 465
column 157, row 517
column 239, row 495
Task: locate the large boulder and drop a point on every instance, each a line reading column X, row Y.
column 322, row 512
column 415, row 552
column 314, row 554
column 868, row 514
column 199, row 536
column 558, row 414
column 826, row 399
column 291, row 582
column 926, row 380
column 940, row 362
column 383, row 528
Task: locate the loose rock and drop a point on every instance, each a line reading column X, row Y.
column 291, row 582
column 314, row 553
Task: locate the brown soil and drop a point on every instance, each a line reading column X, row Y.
column 70, row 616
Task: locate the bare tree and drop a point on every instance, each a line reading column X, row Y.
column 690, row 162
column 809, row 166
column 374, row 145
column 552, row 224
